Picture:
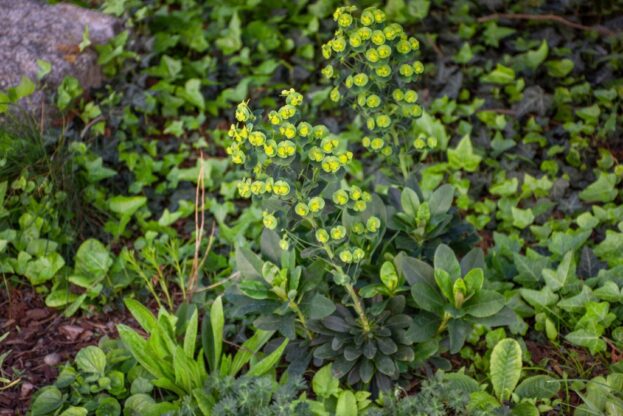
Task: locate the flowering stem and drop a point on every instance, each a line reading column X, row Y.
column 358, row 307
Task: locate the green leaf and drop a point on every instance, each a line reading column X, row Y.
column 539, row 298
column 445, row 284
column 92, row 260
column 44, row 268
column 611, row 247
column 142, row 314
column 525, row 409
column 319, row 307
column 75, row 411
column 192, row 93
column 427, row 298
column 389, row 275
column 254, row 289
column 441, row 200
column 535, row 58
column 559, row 68
column 324, row 383
column 126, row 206
column 505, row 368
column 190, row 337
column 522, row 218
column 587, row 339
column 248, row 349
column 562, row 242
column 538, row 387
column 410, row 202
column 269, row 362
column 346, row 404
column 44, row 68
column 485, row 303
column 463, row 156
column 212, row 332
column 556, row 280
column 474, row 279
column 25, row 88
column 91, row 360
column 231, row 40
column 602, row 190
column 248, row 263
column 48, row 399
column 500, row 75
column 446, row 260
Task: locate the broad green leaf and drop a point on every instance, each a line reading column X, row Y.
column 484, row 303
column 318, row 307
column 44, row 268
column 47, row 400
column 91, row 360
column 445, row 259
column 427, row 298
column 474, row 279
column 538, row 387
column 441, row 200
column 410, row 202
column 75, row 411
column 248, row 263
column 93, row 260
column 505, row 368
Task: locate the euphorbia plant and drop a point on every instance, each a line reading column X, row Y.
column 296, row 173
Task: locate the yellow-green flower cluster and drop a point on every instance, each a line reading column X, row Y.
column 373, row 63
column 284, row 158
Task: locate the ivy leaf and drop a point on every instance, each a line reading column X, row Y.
column 500, row 75
column 587, row 339
column 463, row 156
column 602, row 190
column 231, row 39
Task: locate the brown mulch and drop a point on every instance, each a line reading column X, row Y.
column 40, row 339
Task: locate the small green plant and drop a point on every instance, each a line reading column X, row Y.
column 530, row 397
column 180, row 367
column 452, row 296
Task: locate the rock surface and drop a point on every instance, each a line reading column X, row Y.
column 33, row 30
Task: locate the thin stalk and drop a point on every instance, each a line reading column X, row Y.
column 358, row 308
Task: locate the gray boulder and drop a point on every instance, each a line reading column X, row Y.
column 32, row 30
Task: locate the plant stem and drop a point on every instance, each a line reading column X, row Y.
column 301, row 317
column 358, row 307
